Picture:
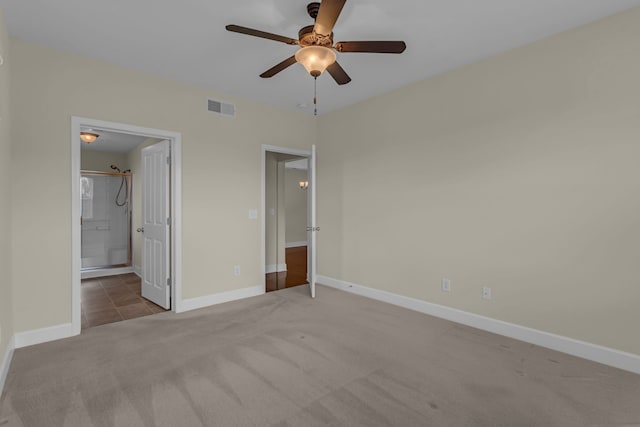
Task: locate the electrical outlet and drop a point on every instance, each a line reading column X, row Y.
column 446, row 284
column 486, row 292
column 236, row 270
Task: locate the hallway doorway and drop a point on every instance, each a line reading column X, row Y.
column 289, row 213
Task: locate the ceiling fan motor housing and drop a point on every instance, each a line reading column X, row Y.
column 307, row 37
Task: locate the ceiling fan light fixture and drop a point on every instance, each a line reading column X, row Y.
column 88, row 137
column 315, row 59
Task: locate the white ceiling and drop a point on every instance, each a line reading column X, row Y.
column 186, row 40
column 300, row 164
column 114, row 142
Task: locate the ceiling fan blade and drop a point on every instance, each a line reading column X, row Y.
column 276, row 69
column 258, row 33
column 327, row 16
column 372, row 46
column 338, row 74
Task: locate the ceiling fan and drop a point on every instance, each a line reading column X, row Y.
column 316, row 51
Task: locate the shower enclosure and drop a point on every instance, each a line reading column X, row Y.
column 106, row 219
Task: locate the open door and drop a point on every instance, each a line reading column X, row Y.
column 156, row 271
column 311, row 223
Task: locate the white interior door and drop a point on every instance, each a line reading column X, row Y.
column 156, row 271
column 312, row 229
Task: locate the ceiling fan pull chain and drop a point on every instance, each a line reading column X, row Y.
column 315, row 96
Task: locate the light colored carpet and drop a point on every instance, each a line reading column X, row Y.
column 283, row 359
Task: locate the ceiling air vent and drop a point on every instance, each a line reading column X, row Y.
column 223, row 108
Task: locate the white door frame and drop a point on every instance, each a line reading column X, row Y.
column 263, row 238
column 175, row 139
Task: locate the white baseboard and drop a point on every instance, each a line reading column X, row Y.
column 138, row 270
column 37, row 336
column 103, row 272
column 295, row 244
column 213, row 299
column 605, row 355
column 6, row 362
column 275, row 268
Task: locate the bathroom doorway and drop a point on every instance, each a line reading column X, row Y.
column 111, row 287
column 109, row 260
column 106, row 184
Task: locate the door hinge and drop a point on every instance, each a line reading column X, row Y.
column 168, row 160
column 168, row 281
column 168, row 221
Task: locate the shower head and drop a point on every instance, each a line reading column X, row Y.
column 114, row 167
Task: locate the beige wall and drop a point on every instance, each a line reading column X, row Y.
column 101, row 160
column 271, row 205
column 295, row 201
column 275, row 212
column 133, row 161
column 519, row 173
column 6, row 310
column 221, row 172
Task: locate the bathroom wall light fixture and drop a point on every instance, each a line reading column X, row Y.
column 88, row 137
column 303, row 185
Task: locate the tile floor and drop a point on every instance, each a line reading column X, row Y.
column 112, row 299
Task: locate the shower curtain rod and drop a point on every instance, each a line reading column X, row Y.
column 87, row 172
